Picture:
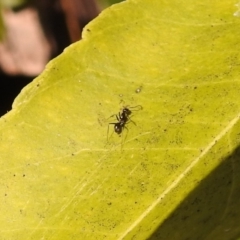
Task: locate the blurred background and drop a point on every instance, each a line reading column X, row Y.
column 32, row 32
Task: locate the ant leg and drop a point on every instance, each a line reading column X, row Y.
column 108, row 130
column 118, row 117
column 124, row 138
column 130, row 120
column 107, row 133
column 110, row 116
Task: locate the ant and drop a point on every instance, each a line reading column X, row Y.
column 123, row 118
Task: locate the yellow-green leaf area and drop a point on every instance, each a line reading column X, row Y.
column 12, row 3
column 173, row 172
column 1, row 24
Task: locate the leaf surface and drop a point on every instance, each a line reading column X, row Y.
column 174, row 172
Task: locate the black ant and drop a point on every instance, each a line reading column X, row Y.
column 123, row 118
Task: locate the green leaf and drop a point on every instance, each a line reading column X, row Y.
column 12, row 3
column 1, row 26
column 174, row 172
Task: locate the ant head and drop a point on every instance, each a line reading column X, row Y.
column 126, row 111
